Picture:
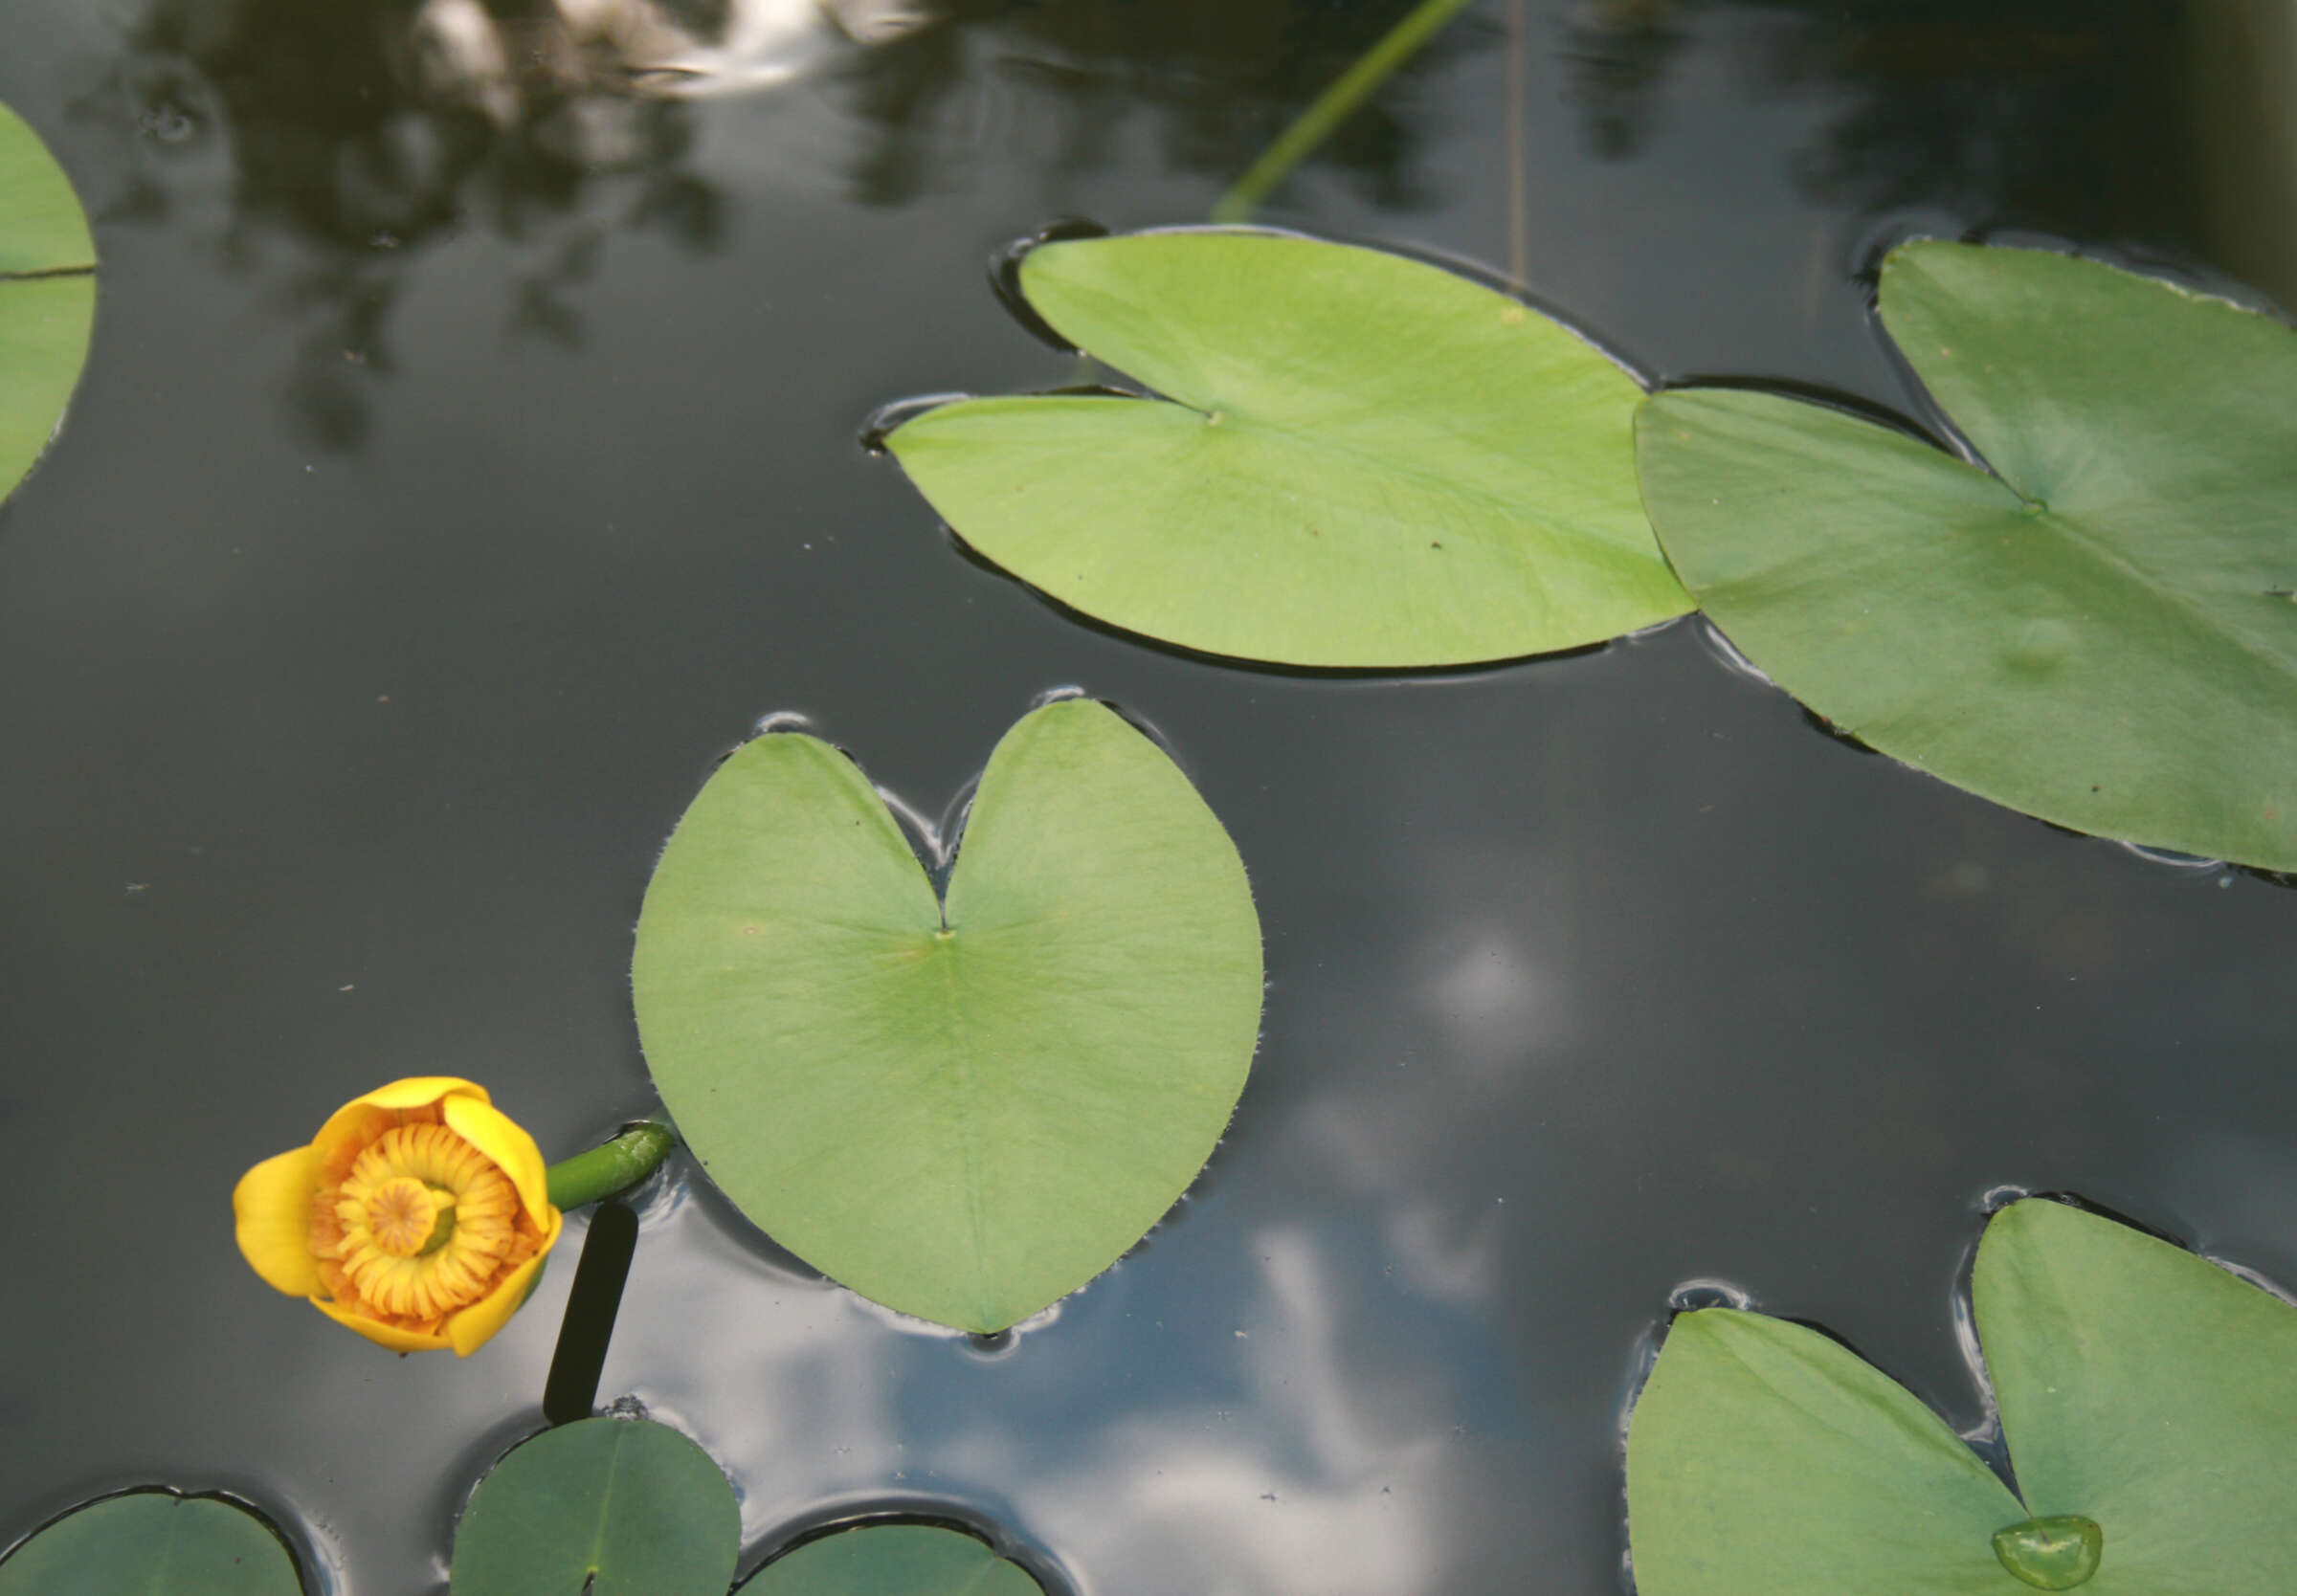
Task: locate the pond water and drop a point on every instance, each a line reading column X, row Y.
column 468, row 458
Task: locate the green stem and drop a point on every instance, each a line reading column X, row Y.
column 1332, row 107
column 612, row 1166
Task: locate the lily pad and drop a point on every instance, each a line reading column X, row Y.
column 893, row 1560
column 47, row 297
column 963, row 1109
column 2147, row 1401
column 1356, row 459
column 2147, row 1389
column 601, row 1507
column 153, row 1544
column 2096, row 626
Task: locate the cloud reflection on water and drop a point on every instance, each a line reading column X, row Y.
column 1262, row 1446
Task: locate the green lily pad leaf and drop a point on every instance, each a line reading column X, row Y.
column 601, row 1507
column 152, row 1543
column 893, row 1560
column 2147, row 1389
column 1762, row 1456
column 963, row 1111
column 47, row 297
column 2146, row 1397
column 1356, row 460
column 2100, row 629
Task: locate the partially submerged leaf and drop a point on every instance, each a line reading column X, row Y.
column 1763, row 1457
column 47, row 297
column 2099, row 630
column 1356, row 460
column 892, row 1560
column 2147, row 1389
column 966, row 1117
column 601, row 1507
column 152, row 1543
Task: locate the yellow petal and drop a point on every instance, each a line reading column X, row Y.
column 364, row 1117
column 476, row 1325
column 271, row 1209
column 503, row 1140
column 415, row 1091
column 382, row 1334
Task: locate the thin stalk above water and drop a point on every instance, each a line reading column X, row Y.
column 1333, row 107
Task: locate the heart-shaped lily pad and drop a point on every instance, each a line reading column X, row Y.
column 601, row 1507
column 2100, row 629
column 2148, row 1400
column 1357, row 461
column 152, row 1543
column 892, row 1560
column 47, row 296
column 962, row 1110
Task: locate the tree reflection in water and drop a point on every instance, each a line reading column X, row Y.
column 365, row 131
column 2060, row 115
column 362, row 132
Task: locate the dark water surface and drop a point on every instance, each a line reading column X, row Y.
column 467, row 459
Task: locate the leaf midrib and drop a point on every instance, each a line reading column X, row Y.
column 595, row 1562
column 1433, row 482
column 2114, row 558
column 944, row 946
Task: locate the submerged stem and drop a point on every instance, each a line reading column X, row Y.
column 612, row 1166
column 1332, row 107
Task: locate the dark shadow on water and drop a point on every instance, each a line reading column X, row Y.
column 571, row 1391
column 1826, row 728
column 2056, row 112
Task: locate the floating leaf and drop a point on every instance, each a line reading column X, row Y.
column 2100, row 629
column 47, row 296
column 1357, row 461
column 152, row 1543
column 2147, row 1398
column 1763, row 1457
column 893, row 1560
column 2147, row 1389
column 601, row 1507
column 962, row 1111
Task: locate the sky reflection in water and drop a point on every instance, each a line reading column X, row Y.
column 385, row 604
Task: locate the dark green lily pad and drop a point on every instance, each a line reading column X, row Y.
column 152, row 1543
column 602, row 1507
column 47, row 297
column 1356, row 460
column 964, row 1112
column 2141, row 1388
column 2099, row 630
column 893, row 1560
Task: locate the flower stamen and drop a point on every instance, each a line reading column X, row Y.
column 421, row 1223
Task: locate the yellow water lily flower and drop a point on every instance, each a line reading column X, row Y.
column 420, row 1216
